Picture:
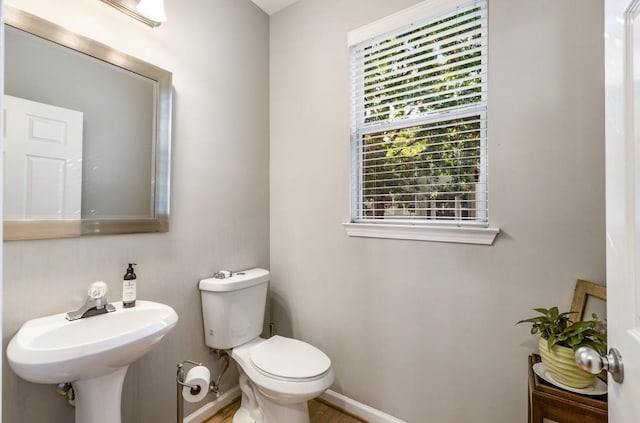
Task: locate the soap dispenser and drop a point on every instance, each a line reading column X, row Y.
column 129, row 288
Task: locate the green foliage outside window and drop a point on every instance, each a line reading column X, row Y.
column 423, row 169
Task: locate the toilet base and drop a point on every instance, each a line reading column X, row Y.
column 255, row 407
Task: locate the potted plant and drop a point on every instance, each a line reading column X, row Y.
column 560, row 337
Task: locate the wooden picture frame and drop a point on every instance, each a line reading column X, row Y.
column 583, row 290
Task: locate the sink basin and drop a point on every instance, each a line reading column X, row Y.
column 92, row 351
column 52, row 349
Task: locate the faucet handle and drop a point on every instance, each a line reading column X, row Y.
column 97, row 290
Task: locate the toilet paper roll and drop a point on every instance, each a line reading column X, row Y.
column 198, row 376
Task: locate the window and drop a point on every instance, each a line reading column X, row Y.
column 418, row 128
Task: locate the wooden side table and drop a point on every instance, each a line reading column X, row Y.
column 547, row 401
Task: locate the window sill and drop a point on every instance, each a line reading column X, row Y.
column 466, row 235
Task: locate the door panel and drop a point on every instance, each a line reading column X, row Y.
column 42, row 161
column 622, row 106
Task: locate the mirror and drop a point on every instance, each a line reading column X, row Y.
column 87, row 135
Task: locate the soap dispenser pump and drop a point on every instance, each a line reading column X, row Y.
column 129, row 288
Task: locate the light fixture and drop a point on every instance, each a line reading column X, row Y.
column 151, row 12
column 152, row 9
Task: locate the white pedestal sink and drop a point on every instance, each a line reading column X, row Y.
column 93, row 353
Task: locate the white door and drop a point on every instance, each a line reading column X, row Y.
column 42, row 160
column 622, row 105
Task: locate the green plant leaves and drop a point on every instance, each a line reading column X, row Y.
column 557, row 329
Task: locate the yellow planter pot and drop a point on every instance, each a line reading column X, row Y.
column 560, row 362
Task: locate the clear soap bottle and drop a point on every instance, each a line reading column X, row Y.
column 129, row 288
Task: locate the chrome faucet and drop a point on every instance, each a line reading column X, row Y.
column 96, row 303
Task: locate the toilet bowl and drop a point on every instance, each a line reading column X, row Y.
column 278, row 375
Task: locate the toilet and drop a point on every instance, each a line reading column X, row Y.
column 277, row 375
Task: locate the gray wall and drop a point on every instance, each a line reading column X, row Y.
column 218, row 53
column 421, row 329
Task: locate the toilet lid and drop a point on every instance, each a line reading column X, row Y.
column 289, row 358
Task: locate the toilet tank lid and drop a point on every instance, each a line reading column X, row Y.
column 238, row 280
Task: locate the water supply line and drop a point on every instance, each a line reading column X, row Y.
column 66, row 390
column 215, row 386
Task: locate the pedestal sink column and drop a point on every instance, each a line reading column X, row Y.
column 98, row 400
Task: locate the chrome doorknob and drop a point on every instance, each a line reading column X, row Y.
column 590, row 361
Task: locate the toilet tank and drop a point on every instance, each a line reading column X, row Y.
column 233, row 308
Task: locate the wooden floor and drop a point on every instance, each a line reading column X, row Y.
column 319, row 412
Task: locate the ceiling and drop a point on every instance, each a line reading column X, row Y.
column 273, row 6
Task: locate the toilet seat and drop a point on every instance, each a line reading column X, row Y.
column 277, row 388
column 289, row 359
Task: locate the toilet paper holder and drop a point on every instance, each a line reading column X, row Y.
column 180, row 376
column 180, row 383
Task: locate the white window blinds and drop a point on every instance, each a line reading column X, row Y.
column 418, row 131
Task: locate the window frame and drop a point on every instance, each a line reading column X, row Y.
column 474, row 231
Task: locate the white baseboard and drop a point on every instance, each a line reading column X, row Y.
column 354, row 407
column 358, row 409
column 211, row 408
